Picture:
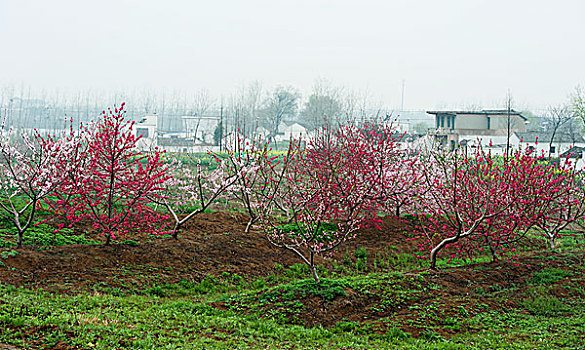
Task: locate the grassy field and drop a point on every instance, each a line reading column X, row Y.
column 372, row 296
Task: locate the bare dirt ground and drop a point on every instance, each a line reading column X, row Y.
column 214, row 243
column 209, row 244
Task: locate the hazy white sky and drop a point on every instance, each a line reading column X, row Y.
column 451, row 53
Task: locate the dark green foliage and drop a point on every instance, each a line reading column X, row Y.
column 548, row 276
column 328, row 289
column 129, row 242
column 320, row 236
column 545, row 305
column 361, row 253
column 432, row 336
column 8, row 254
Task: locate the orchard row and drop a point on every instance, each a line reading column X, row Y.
column 309, row 199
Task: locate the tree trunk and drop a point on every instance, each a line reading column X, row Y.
column 19, row 243
column 176, row 230
column 314, row 272
column 249, row 225
column 494, row 254
column 551, row 242
column 439, row 247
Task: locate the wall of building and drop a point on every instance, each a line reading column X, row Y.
column 501, row 122
column 471, row 121
column 147, row 127
column 287, row 131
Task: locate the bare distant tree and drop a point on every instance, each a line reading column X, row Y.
column 252, row 105
column 475, row 107
column 571, row 131
column 281, row 103
column 556, row 118
column 509, row 102
column 512, row 122
column 355, row 105
column 578, row 106
column 148, row 100
column 367, row 103
column 324, row 105
column 245, row 107
column 350, row 105
column 202, row 102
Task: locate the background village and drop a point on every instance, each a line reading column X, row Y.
column 200, row 123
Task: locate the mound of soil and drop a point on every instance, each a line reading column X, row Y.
column 209, row 244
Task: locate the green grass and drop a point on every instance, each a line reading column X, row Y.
column 44, row 236
column 545, row 305
column 150, row 322
column 181, row 316
column 545, row 310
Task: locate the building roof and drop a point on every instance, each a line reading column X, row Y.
column 486, row 112
column 546, row 137
column 289, row 123
column 573, row 153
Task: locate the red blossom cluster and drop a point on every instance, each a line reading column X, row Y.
column 477, row 202
column 323, row 189
column 107, row 181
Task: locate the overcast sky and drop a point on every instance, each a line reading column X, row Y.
column 450, row 53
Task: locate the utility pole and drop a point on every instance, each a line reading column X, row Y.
column 402, row 98
column 220, row 125
column 509, row 106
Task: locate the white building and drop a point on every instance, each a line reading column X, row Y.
column 538, row 142
column 184, row 145
column 147, row 128
column 455, row 127
column 290, row 130
column 575, row 156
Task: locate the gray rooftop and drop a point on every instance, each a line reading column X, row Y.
column 495, row 112
column 546, row 137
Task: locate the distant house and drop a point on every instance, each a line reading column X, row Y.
column 574, row 156
column 541, row 142
column 262, row 132
column 147, row 129
column 454, row 127
column 290, row 130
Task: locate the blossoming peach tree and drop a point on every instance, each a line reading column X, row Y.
column 108, row 181
column 324, row 195
column 478, row 202
column 190, row 191
column 566, row 207
column 27, row 176
column 392, row 173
